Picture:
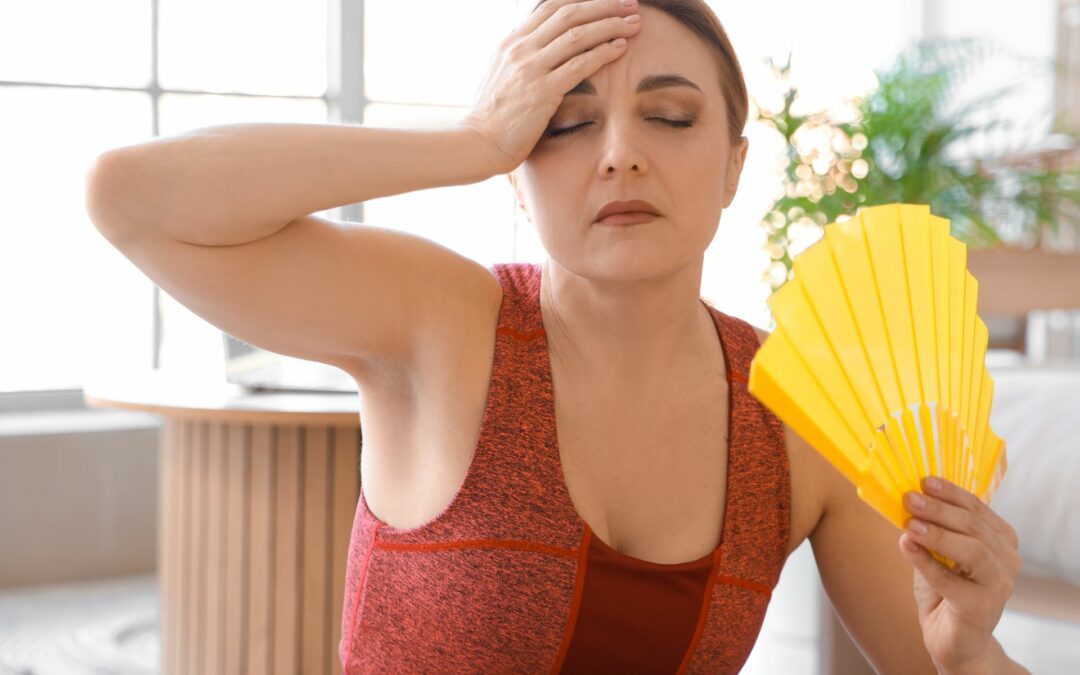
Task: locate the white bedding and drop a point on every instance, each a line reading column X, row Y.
column 1036, row 410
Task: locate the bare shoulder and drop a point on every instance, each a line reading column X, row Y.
column 458, row 346
column 813, row 480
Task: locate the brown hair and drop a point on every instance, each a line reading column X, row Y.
column 700, row 18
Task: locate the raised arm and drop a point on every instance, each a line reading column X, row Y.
column 216, row 218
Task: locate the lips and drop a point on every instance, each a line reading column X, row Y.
column 632, row 206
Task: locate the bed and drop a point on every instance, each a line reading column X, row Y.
column 1036, row 410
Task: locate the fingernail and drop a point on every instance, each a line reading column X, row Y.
column 629, row 3
column 933, row 484
column 917, row 500
column 917, row 527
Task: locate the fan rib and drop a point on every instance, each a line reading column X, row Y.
column 825, row 368
column 836, row 357
column 884, row 321
column 910, row 311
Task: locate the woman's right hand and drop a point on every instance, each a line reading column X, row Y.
column 562, row 43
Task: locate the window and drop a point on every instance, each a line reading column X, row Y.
column 79, row 78
column 423, row 62
column 66, row 297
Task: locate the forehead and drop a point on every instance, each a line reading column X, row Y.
column 665, row 55
column 648, row 83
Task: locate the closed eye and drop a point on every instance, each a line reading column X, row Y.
column 679, row 124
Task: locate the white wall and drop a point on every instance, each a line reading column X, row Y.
column 78, row 495
column 1026, row 29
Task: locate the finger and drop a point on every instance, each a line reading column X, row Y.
column 945, row 583
column 579, row 27
column 963, row 521
column 952, row 493
column 543, row 11
column 974, row 558
column 542, row 15
column 941, row 512
column 958, row 519
column 570, row 74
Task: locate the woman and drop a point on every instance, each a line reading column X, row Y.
column 562, row 468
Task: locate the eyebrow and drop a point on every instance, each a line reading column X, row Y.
column 648, row 83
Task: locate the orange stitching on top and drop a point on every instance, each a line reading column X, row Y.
column 477, row 543
column 524, row 337
column 575, row 600
column 359, row 592
column 753, row 586
column 736, row 375
column 699, row 630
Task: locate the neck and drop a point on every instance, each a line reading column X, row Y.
column 608, row 328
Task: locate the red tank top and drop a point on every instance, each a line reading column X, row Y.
column 508, row 578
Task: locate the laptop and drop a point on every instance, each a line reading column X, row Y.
column 257, row 369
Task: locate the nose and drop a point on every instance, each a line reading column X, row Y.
column 621, row 150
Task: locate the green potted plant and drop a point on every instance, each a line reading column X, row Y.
column 899, row 143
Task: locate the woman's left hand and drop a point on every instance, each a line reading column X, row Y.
column 959, row 608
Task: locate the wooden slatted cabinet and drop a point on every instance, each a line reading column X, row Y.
column 257, row 494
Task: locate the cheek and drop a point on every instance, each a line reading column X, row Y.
column 556, row 230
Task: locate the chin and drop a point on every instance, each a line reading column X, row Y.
column 621, row 264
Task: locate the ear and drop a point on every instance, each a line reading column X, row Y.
column 512, row 177
column 734, row 169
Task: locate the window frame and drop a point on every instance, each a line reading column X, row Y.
column 345, row 102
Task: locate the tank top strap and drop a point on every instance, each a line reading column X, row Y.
column 520, row 313
column 507, row 498
column 514, row 489
column 740, row 343
column 757, row 523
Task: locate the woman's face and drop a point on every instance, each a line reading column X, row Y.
column 626, row 150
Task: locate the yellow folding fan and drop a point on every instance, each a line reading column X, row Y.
column 878, row 358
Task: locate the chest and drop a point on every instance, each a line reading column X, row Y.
column 645, row 463
column 646, row 466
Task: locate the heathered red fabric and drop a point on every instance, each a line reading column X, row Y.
column 499, row 581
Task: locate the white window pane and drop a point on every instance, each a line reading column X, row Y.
column 69, row 302
column 244, row 46
column 104, row 42
column 190, row 344
column 426, row 51
column 1026, row 54
column 184, row 112
column 412, row 116
column 474, row 220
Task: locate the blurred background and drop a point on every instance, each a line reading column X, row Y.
column 80, row 497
